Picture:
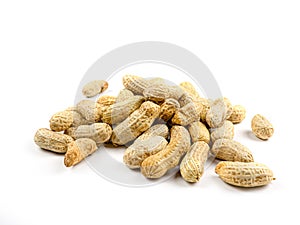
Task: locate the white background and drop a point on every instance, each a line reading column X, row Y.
column 251, row 47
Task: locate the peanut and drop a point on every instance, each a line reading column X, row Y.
column 106, row 100
column 261, row 127
column 199, row 132
column 61, row 121
column 231, row 150
column 78, row 150
column 138, row 122
column 156, row 130
column 90, row 110
column 190, row 89
column 119, row 111
column 157, row 165
column 192, row 165
column 136, row 153
column 99, row 132
column 244, row 174
column 238, row 114
column 160, row 92
column 217, row 113
column 185, row 99
column 135, row 84
column 225, row 131
column 94, row 87
column 52, row 141
column 168, row 108
column 124, row 95
column 187, row 114
column 78, row 119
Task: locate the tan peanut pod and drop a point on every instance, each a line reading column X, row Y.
column 78, row 119
column 205, row 107
column 187, row 114
column 119, row 111
column 261, row 127
column 229, row 107
column 79, row 150
column 230, row 150
column 160, row 92
column 192, row 165
column 61, row 121
column 106, row 100
column 168, row 108
column 71, row 131
column 217, row 113
column 136, row 153
column 199, row 132
column 157, row 165
column 189, row 88
column 52, row 141
column 244, row 174
column 94, row 87
column 156, row 130
column 138, row 122
column 135, row 84
column 185, row 99
column 99, row 132
column 225, row 131
column 124, row 95
column 90, row 110
column 238, row 114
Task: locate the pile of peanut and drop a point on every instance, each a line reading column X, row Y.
column 162, row 126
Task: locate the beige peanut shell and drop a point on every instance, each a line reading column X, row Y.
column 217, row 113
column 156, row 130
column 78, row 150
column 135, row 84
column 160, row 92
column 189, row 88
column 225, row 131
column 261, row 127
column 52, row 141
column 230, row 150
column 61, row 121
column 192, row 165
column 238, row 114
column 187, row 114
column 94, row 87
column 90, row 110
column 199, row 132
column 124, row 95
column 168, row 108
column 244, row 174
column 157, row 165
column 106, row 100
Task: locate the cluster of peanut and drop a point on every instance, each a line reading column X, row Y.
column 162, row 126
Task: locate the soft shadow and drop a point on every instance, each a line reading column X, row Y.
column 250, row 135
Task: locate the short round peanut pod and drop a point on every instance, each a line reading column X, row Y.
column 61, row 121
column 261, row 127
column 90, row 110
column 94, row 87
column 168, row 108
column 187, row 114
column 199, row 132
column 217, row 113
column 225, row 131
column 238, row 114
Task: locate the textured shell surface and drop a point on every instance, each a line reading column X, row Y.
column 244, row 174
column 192, row 165
column 225, row 131
column 238, row 114
column 157, row 165
column 123, row 95
column 187, row 114
column 136, row 153
column 138, row 122
column 61, row 121
column 199, row 132
column 90, row 110
column 168, row 108
column 261, row 127
column 189, row 88
column 161, row 92
column 78, row 150
column 217, row 113
column 106, row 100
column 94, row 87
column 230, row 150
column 135, row 84
column 156, row 130
column 52, row 141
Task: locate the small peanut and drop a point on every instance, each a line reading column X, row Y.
column 138, row 122
column 157, row 165
column 160, row 92
column 199, row 132
column 238, row 114
column 168, row 108
column 244, row 174
column 124, row 95
column 225, row 131
column 217, row 113
column 78, row 150
column 156, row 130
column 135, row 84
column 52, row 141
column 136, row 153
column 94, row 87
column 61, row 121
column 261, row 127
column 187, row 114
column 231, row 150
column 192, row 165
column 78, row 119
column 90, row 110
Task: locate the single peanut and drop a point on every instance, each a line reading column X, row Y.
column 94, row 87
column 135, row 84
column 231, row 150
column 168, row 108
column 189, row 88
column 52, row 141
column 90, row 110
column 238, row 114
column 78, row 119
column 78, row 150
column 119, row 111
column 217, row 113
column 192, row 165
column 187, row 114
column 225, row 131
column 244, row 174
column 106, row 100
column 138, row 122
column 156, row 130
column 99, row 132
column 160, row 92
column 124, row 95
column 61, row 121
column 157, row 165
column 185, row 99
column 261, row 127
column 199, row 132
column 136, row 153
